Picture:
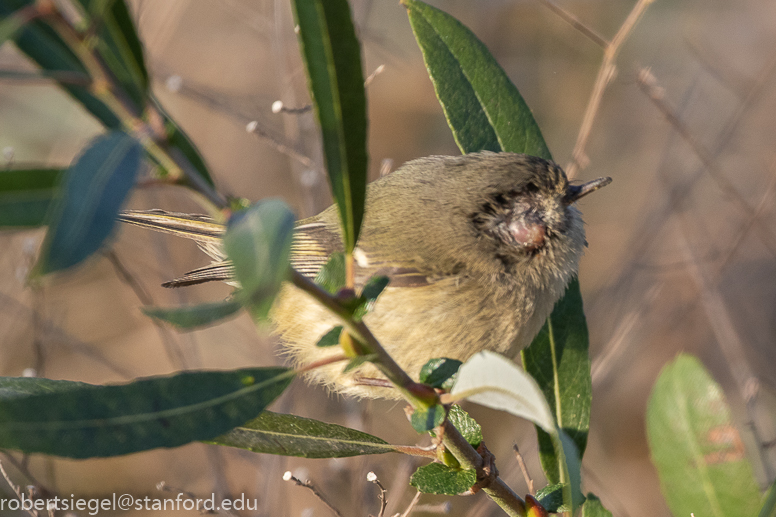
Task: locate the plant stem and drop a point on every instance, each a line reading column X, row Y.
column 418, row 395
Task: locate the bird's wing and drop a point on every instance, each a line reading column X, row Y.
column 314, row 241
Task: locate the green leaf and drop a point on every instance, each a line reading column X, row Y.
column 695, row 446
column 486, row 112
column 43, row 45
column 768, row 508
column 440, row 372
column 91, row 196
column 80, row 420
column 594, row 508
column 426, row 419
column 482, row 106
column 551, row 498
column 369, row 294
column 436, row 478
column 290, row 435
column 258, row 242
column 331, row 338
column 558, row 360
column 466, row 425
column 119, row 47
column 571, row 473
column 358, row 361
column 332, row 275
column 194, row 316
column 179, row 142
column 10, row 24
column 494, row 381
column 27, row 195
column 333, row 61
column 373, row 288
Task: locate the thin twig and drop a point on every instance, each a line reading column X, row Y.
column 288, row 476
column 605, row 75
column 171, row 347
column 524, row 469
column 648, row 84
column 383, row 499
column 162, row 486
column 744, row 231
column 418, row 394
column 576, row 23
column 17, row 490
column 412, row 504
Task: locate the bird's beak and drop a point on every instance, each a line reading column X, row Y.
column 575, row 192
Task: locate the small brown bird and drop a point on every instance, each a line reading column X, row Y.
column 478, row 249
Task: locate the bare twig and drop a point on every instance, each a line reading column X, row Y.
column 605, row 75
column 379, row 70
column 524, row 469
column 18, row 491
column 162, row 486
column 288, row 476
column 412, row 504
column 648, row 84
column 419, row 395
column 576, row 23
column 383, row 499
column 747, row 227
column 172, row 348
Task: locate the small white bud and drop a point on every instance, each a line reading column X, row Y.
column 174, row 83
column 296, row 29
column 287, row 476
column 277, row 106
column 251, row 126
column 8, row 153
column 29, row 372
column 308, row 178
column 371, row 477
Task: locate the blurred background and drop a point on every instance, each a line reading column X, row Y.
column 681, row 254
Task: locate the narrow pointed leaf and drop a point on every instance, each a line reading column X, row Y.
column 43, row 45
column 436, row 478
column 768, row 507
column 466, row 425
column 258, row 242
column 551, row 498
column 482, row 106
column 26, row 196
column 426, row 419
column 10, row 25
column 358, row 361
column 119, row 47
column 594, row 508
column 195, row 316
column 571, row 473
column 486, row 112
column 290, row 435
column 695, row 445
column 80, row 420
column 92, row 193
column 558, row 359
column 332, row 275
column 332, row 57
column 331, row 338
column 441, row 372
